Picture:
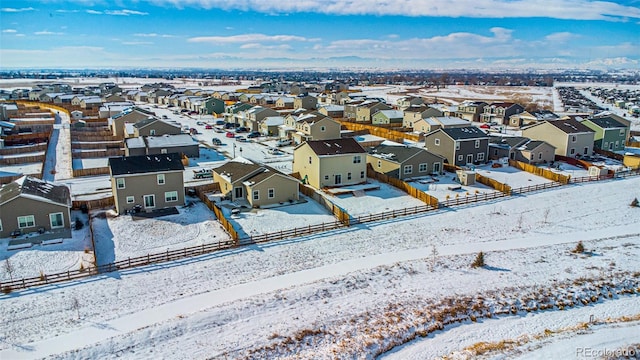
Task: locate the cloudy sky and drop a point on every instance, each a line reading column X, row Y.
column 295, row 34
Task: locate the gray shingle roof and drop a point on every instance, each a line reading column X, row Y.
column 145, row 164
column 58, row 194
column 336, row 147
column 607, row 123
column 465, row 133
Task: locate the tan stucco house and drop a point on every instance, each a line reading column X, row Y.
column 570, row 137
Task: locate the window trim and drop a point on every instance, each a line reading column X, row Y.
column 159, row 181
column 168, row 193
column 477, row 144
column 480, row 156
column 436, row 142
column 407, row 169
column 357, row 159
column 423, row 167
column 26, row 217
column 271, row 193
column 255, row 194
column 119, row 182
column 132, row 198
column 51, row 220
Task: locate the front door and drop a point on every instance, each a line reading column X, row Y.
column 337, row 179
column 149, row 201
column 470, row 159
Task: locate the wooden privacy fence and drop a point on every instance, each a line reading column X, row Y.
column 93, row 138
column 57, row 107
column 575, row 162
column 98, row 145
column 284, row 234
column 86, row 132
column 609, row 154
column 93, row 203
column 494, row 184
column 402, row 185
column 634, row 144
column 380, row 131
column 201, row 192
column 472, row 198
column 90, row 171
column 98, row 153
column 23, row 149
column 547, row 174
column 26, row 138
column 22, row 160
column 337, row 211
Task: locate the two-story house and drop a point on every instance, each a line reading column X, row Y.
column 365, row 111
column 500, row 112
column 312, row 125
column 403, row 162
column 330, row 163
column 460, row 146
column 570, row 137
column 130, row 115
column 609, row 134
column 147, row 182
column 407, row 101
column 258, row 185
column 155, row 127
column 430, row 124
column 306, row 102
column 470, row 110
column 529, row 117
column 414, row 113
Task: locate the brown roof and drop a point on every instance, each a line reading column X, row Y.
column 570, row 126
column 236, row 170
column 336, row 147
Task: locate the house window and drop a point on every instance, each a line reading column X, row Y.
column 460, row 157
column 539, row 156
column 495, row 152
column 56, row 220
column 606, row 144
column 586, row 150
column 379, row 163
column 256, row 194
column 171, row 196
column 149, row 201
column 322, row 128
column 161, row 180
column 436, row 142
column 163, row 151
column 574, row 138
column 26, row 221
column 309, row 159
column 572, row 151
column 120, row 183
column 130, row 199
column 436, row 167
column 326, row 177
column 357, row 159
column 348, row 176
column 423, row 167
column 361, row 174
column 480, row 157
column 271, row 193
column 623, row 132
column 408, row 169
column 457, row 145
column 531, row 156
column 152, row 132
column 477, row 144
column 617, row 143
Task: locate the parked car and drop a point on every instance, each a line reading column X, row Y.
column 230, row 134
column 208, row 127
column 242, row 129
column 231, row 125
column 253, row 134
column 218, row 130
column 165, row 117
column 216, row 141
column 194, row 131
column 219, row 122
column 283, row 142
column 274, row 151
column 199, row 123
column 485, row 126
column 241, row 139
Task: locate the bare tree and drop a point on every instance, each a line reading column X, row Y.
column 8, row 267
column 546, row 215
column 75, row 305
column 434, row 257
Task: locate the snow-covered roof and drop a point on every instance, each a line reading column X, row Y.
column 170, row 140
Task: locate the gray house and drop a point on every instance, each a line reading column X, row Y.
column 460, row 146
column 403, row 162
column 30, row 205
column 149, row 182
column 165, row 144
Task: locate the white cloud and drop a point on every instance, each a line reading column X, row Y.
column 94, row 12
column 559, row 9
column 16, row 10
column 9, row 31
column 256, row 46
column 137, row 43
column 45, row 32
column 247, row 38
column 561, row 37
column 124, row 12
column 153, row 35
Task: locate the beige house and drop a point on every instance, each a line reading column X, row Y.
column 129, row 116
column 531, row 117
column 332, row 111
column 570, row 137
column 252, row 117
column 259, row 185
column 285, row 102
column 155, row 127
column 305, row 102
column 408, row 101
column 365, row 111
column 147, row 182
column 403, row 162
column 330, row 163
column 305, row 126
column 33, row 206
column 413, row 114
column 441, row 122
column 470, row 110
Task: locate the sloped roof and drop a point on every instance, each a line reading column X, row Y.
column 570, row 126
column 510, row 141
column 336, row 147
column 392, row 114
column 236, row 170
column 33, row 187
column 145, row 164
column 464, row 133
column 607, row 123
column 400, row 153
column 170, row 140
column 534, row 144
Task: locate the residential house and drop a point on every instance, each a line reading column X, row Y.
column 231, row 111
column 365, row 111
column 307, row 102
column 270, row 126
column 155, row 127
column 309, row 125
column 470, row 110
column 408, row 101
column 438, row 122
column 165, row 144
column 30, row 205
column 622, row 120
column 337, row 97
column 460, row 146
column 529, row 117
column 259, row 185
column 251, row 118
column 521, row 149
column 388, row 117
column 609, row 135
column 329, row 163
column 500, row 112
column 332, row 111
column 8, row 110
column 285, row 102
column 212, row 106
column 570, row 137
column 404, row 162
column 91, row 102
column 130, row 115
column 351, row 107
column 414, row 113
column 149, row 182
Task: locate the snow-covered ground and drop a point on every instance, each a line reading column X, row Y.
column 345, row 293
column 58, row 164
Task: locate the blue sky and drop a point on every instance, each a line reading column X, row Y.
column 285, row 34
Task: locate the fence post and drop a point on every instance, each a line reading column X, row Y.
column 68, row 275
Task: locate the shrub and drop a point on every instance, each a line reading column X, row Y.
column 635, row 203
column 78, row 224
column 579, row 248
column 6, row 289
column 479, row 261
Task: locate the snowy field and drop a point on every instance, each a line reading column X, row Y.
column 367, row 286
column 90, row 163
column 511, row 176
column 27, row 169
column 441, row 187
